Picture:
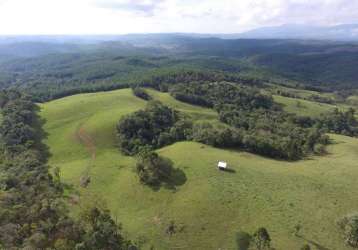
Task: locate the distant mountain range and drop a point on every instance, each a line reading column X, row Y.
column 344, row 32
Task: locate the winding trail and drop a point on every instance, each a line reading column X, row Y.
column 87, row 141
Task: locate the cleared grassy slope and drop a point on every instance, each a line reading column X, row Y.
column 304, row 107
column 211, row 205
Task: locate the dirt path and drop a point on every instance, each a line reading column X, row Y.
column 87, row 141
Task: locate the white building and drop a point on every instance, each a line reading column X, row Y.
column 222, row 165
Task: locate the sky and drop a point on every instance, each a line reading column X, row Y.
column 164, row 16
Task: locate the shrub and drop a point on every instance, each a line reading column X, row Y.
column 349, row 226
column 141, row 93
column 152, row 169
column 262, row 239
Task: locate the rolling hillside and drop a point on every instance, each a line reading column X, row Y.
column 207, row 206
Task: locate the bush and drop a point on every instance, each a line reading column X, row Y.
column 349, row 226
column 340, row 122
column 262, row 239
column 153, row 169
column 141, row 93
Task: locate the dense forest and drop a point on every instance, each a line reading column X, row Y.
column 61, row 70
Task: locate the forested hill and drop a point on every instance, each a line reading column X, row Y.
column 56, row 69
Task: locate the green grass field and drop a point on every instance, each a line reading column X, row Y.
column 211, row 206
column 304, row 107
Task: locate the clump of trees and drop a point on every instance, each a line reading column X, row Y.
column 253, row 122
column 217, row 136
column 339, row 122
column 259, row 240
column 214, row 94
column 101, row 231
column 155, row 126
column 32, row 212
column 141, row 93
column 152, row 169
column 256, row 123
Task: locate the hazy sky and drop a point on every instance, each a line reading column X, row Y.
column 147, row 16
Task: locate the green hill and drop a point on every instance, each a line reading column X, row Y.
column 211, row 206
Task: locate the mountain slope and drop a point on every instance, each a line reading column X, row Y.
column 208, row 206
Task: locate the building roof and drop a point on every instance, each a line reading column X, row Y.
column 222, row 164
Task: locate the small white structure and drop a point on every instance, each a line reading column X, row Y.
column 222, row 165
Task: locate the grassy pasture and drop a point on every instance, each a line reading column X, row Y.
column 210, row 206
column 304, row 107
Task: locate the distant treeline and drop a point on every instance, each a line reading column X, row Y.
column 159, row 79
column 48, row 75
column 33, row 214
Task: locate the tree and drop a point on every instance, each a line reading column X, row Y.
column 101, row 231
column 262, row 239
column 152, row 169
column 141, row 93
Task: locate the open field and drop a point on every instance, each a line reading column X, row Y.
column 209, row 206
column 305, row 107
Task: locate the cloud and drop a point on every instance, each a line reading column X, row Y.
column 146, row 7
column 3, row 2
column 143, row 16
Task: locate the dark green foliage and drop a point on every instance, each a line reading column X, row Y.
column 113, row 65
column 349, row 227
column 101, row 231
column 274, row 133
column 219, row 93
column 257, row 123
column 153, row 169
column 340, row 122
column 331, row 70
column 171, row 229
column 205, row 132
column 32, row 214
column 321, row 99
column 262, row 239
column 141, row 93
column 16, row 130
column 156, row 126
